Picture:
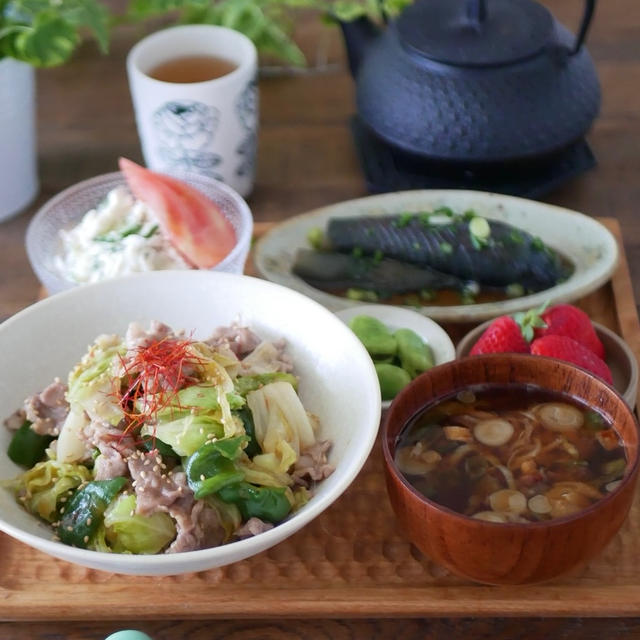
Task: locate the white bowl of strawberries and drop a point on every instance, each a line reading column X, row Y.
column 562, row 331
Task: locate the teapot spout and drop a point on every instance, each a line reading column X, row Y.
column 358, row 35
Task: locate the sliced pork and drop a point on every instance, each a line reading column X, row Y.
column 240, row 340
column 312, row 465
column 197, row 525
column 48, row 409
column 252, row 527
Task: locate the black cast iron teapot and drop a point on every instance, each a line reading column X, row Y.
column 481, row 81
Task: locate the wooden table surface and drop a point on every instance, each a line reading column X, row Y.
column 306, row 160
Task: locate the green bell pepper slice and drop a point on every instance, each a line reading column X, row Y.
column 84, row 512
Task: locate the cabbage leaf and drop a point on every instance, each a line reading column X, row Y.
column 91, row 380
column 43, row 485
column 187, row 434
column 282, row 426
column 141, row 534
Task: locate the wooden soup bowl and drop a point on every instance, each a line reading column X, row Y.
column 510, row 553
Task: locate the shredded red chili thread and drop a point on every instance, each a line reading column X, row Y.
column 155, row 374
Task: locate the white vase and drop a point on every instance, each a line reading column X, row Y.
column 18, row 157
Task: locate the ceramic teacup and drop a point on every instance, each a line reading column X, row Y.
column 207, row 126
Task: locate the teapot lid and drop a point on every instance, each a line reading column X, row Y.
column 475, row 32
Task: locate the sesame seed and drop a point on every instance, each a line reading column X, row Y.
column 62, row 510
column 63, row 499
column 141, row 489
column 86, row 539
column 202, row 478
column 143, row 475
column 156, row 468
column 89, row 522
column 131, row 512
column 69, row 528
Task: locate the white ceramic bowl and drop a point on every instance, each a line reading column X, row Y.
column 401, row 318
column 338, row 384
column 65, row 210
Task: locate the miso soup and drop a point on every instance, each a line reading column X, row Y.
column 511, row 454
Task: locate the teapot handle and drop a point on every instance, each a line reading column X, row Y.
column 589, row 8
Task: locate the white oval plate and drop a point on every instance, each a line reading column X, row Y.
column 398, row 318
column 586, row 242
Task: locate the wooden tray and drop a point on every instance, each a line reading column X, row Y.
column 352, row 561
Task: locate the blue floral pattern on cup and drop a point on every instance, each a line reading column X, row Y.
column 247, row 111
column 185, row 130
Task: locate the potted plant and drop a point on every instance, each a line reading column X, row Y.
column 34, row 33
column 268, row 23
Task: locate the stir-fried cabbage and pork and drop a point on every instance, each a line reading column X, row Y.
column 159, row 443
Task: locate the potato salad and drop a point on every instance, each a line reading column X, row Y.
column 119, row 237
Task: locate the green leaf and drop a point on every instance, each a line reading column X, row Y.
column 275, row 41
column 49, row 43
column 348, row 11
column 44, row 33
column 530, row 320
column 394, row 7
column 141, row 9
column 93, row 16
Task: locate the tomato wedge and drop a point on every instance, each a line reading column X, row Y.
column 194, row 224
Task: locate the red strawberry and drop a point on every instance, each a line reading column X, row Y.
column 565, row 348
column 567, row 320
column 503, row 335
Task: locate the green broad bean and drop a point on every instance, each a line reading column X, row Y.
column 392, row 379
column 374, row 335
column 414, row 354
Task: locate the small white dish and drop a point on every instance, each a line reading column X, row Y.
column 401, row 318
column 587, row 243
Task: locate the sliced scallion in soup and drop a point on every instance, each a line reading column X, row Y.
column 511, row 454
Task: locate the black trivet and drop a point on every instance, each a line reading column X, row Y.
column 389, row 169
